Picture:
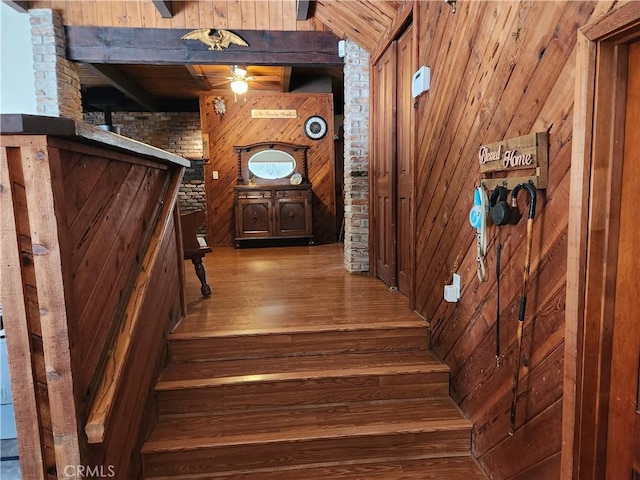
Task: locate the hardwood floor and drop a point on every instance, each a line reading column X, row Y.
column 296, row 369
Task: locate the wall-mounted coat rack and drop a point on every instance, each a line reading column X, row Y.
column 502, row 163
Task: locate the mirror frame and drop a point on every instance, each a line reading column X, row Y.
column 246, row 152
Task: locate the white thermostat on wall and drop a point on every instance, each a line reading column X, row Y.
column 421, row 81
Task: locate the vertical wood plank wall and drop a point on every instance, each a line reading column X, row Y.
column 106, row 205
column 232, row 14
column 237, row 127
column 499, row 70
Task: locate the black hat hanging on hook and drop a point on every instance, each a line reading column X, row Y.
column 499, row 207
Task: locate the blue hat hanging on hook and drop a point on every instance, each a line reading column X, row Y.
column 478, row 220
column 477, row 215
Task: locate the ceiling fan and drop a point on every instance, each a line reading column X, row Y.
column 240, row 79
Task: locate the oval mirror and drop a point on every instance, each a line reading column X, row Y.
column 271, row 164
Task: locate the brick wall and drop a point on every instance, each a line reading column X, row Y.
column 57, row 83
column 178, row 133
column 356, row 159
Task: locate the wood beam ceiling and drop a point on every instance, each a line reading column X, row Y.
column 303, row 9
column 125, row 84
column 165, row 46
column 165, row 8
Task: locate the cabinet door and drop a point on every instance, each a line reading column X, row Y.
column 293, row 213
column 254, row 217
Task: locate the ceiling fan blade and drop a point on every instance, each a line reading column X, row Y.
column 217, row 84
column 268, row 78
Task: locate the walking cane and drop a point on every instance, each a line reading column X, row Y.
column 523, row 299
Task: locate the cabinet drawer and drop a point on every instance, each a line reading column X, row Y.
column 292, row 194
column 254, row 194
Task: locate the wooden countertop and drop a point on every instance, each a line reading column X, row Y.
column 21, row 124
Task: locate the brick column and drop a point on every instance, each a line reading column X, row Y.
column 57, row 81
column 356, row 159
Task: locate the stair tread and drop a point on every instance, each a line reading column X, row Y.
column 183, row 432
column 218, row 372
column 294, row 328
column 447, row 468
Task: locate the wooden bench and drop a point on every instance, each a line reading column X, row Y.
column 194, row 250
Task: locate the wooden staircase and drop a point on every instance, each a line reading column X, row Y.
column 355, row 402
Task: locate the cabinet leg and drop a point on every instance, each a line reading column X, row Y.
column 202, row 276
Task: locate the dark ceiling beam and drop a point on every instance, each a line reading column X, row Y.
column 101, row 98
column 200, row 80
column 165, row 8
column 21, row 7
column 286, row 79
column 165, row 46
column 127, row 85
column 303, row 9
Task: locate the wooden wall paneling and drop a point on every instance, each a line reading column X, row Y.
column 134, row 398
column 134, row 12
column 442, row 182
column 237, row 127
column 50, row 261
column 363, row 22
column 589, row 293
column 16, row 311
column 130, row 333
column 514, row 81
column 192, row 15
column 73, row 11
column 248, row 10
column 234, row 14
column 474, row 152
column 89, row 15
column 446, row 186
column 276, row 13
column 105, row 302
column 542, row 387
column 501, row 461
column 149, row 16
column 220, row 19
column 453, row 342
column 207, row 14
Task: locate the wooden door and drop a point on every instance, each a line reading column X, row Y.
column 623, row 444
column 393, row 164
column 404, row 162
column 384, row 144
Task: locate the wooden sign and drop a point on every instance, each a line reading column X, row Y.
column 527, row 154
column 274, row 113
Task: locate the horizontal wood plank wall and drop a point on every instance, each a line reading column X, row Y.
column 233, row 14
column 237, row 127
column 499, row 70
column 106, row 206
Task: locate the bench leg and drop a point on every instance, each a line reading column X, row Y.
column 202, row 276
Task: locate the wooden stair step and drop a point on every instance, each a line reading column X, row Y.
column 430, row 427
column 298, row 340
column 449, row 468
column 187, row 387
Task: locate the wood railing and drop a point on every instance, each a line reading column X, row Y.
column 92, row 280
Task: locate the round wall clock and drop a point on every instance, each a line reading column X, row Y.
column 315, row 127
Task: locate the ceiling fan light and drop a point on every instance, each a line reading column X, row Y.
column 239, row 86
column 239, row 71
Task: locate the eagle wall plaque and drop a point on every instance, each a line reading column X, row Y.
column 216, row 41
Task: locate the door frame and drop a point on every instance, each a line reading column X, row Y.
column 593, row 231
column 406, row 16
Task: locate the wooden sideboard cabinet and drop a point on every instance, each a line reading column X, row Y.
column 272, row 200
column 276, row 213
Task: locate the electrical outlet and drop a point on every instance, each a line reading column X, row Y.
column 215, row 174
